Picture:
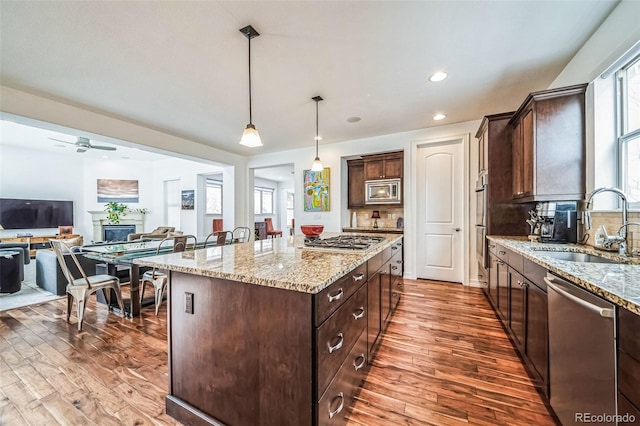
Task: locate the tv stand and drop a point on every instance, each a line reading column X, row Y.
column 41, row 242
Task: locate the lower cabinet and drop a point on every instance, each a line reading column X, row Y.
column 519, row 297
column 373, row 316
column 628, row 364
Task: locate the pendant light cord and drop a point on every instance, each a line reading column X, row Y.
column 317, row 134
column 250, row 117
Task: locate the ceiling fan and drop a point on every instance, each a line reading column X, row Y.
column 84, row 144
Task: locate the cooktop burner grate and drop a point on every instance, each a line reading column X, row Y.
column 349, row 242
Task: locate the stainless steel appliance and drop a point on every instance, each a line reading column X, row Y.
column 481, row 224
column 350, row 242
column 582, row 353
column 555, row 222
column 383, row 191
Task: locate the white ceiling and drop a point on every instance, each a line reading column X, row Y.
column 181, row 67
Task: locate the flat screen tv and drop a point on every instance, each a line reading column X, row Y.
column 35, row 214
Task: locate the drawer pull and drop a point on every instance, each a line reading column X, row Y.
column 360, row 314
column 492, row 246
column 336, row 296
column 340, row 407
column 399, row 261
column 358, row 277
column 502, row 252
column 394, row 248
column 394, row 267
column 338, row 345
column 358, row 365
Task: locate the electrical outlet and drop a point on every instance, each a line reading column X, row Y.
column 188, row 303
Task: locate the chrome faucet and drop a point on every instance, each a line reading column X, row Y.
column 621, row 238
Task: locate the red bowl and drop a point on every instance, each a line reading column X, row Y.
column 312, row 230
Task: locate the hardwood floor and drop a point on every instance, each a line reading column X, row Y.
column 444, row 360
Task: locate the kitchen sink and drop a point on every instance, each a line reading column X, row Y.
column 578, row 257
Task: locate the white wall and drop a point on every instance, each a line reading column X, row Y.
column 51, row 177
column 332, row 157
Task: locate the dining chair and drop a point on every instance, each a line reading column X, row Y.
column 159, row 278
column 241, row 234
column 81, row 287
column 221, row 238
column 270, row 231
column 217, row 225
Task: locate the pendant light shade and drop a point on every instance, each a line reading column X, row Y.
column 317, row 164
column 250, row 136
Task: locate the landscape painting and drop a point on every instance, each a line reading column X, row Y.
column 316, row 191
column 118, row 190
column 188, row 199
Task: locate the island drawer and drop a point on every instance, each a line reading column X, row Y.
column 335, row 402
column 338, row 335
column 329, row 299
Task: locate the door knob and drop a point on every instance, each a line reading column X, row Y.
column 456, row 229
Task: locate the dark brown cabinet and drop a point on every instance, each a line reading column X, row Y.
column 355, row 169
column 492, row 284
column 518, row 308
column 537, row 333
column 628, row 362
column 373, row 318
column 502, row 273
column 548, row 151
column 383, row 166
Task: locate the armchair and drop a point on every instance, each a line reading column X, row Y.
column 160, row 233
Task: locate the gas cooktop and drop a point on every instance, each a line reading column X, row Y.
column 348, row 242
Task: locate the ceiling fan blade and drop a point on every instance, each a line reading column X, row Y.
column 60, row 140
column 104, row 148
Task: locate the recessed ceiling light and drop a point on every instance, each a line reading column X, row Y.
column 438, row 76
column 353, row 119
column 439, row 116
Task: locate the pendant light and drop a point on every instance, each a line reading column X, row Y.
column 250, row 136
column 317, row 164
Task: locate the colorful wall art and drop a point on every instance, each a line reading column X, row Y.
column 316, row 191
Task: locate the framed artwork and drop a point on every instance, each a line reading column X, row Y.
column 188, row 199
column 316, row 190
column 118, row 190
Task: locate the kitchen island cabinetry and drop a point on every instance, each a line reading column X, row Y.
column 549, row 146
column 383, row 166
column 267, row 332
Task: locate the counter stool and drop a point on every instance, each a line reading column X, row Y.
column 10, row 271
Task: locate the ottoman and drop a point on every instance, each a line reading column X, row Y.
column 10, row 271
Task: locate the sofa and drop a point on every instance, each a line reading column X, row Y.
column 49, row 275
column 160, row 233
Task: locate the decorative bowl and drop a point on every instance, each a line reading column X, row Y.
column 312, row 230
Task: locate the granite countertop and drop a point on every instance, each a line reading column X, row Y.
column 278, row 262
column 618, row 283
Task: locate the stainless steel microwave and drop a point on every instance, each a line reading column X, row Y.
column 384, row 191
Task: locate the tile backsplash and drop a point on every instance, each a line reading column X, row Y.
column 388, row 217
column 612, row 222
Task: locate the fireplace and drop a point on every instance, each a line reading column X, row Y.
column 117, row 232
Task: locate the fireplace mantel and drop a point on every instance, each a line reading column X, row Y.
column 99, row 218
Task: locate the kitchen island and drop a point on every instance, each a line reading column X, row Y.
column 269, row 332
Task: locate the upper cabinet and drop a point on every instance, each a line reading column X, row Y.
column 356, row 183
column 548, row 152
column 383, row 166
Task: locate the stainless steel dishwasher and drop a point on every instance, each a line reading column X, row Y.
column 582, row 354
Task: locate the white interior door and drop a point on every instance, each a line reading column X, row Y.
column 440, row 215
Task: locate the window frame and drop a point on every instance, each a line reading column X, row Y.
column 209, row 182
column 623, row 135
column 259, row 208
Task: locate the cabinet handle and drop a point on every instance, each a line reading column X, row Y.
column 394, row 248
column 492, row 246
column 399, row 285
column 394, row 267
column 399, row 261
column 500, row 262
column 502, row 252
column 340, row 407
column 336, row 296
column 358, row 277
column 359, row 315
column 358, row 365
column 337, row 346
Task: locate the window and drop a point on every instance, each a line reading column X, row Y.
column 628, row 117
column 262, row 200
column 172, row 203
column 290, row 208
column 214, row 196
